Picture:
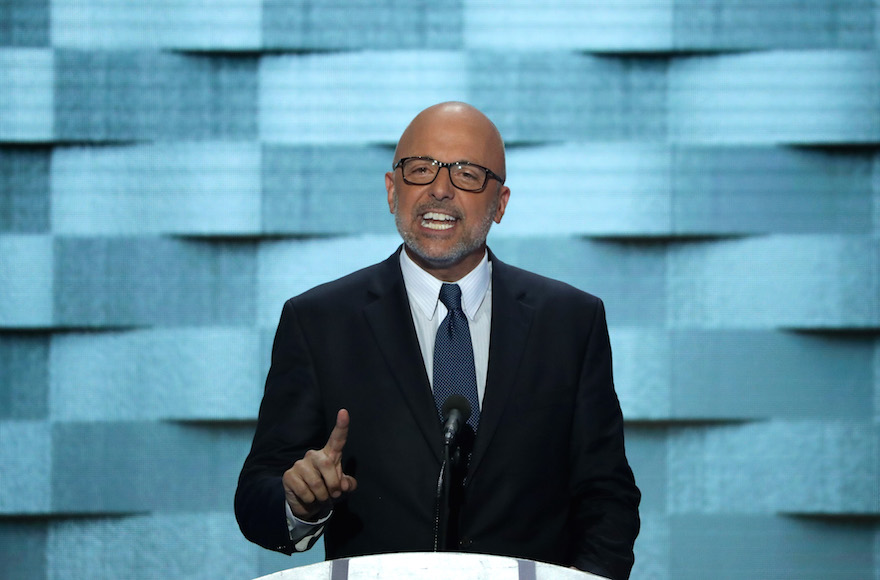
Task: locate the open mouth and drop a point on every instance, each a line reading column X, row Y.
column 438, row 221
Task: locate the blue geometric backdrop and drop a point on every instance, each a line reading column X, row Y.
column 171, row 172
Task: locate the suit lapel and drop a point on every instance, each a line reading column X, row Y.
column 511, row 320
column 388, row 314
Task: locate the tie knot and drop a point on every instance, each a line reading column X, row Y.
column 450, row 296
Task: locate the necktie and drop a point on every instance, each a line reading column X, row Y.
column 454, row 371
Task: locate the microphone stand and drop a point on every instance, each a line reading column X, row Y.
column 441, row 520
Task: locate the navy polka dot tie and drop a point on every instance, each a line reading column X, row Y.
column 454, row 371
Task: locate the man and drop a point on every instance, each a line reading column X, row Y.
column 349, row 441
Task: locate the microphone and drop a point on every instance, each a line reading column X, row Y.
column 456, row 412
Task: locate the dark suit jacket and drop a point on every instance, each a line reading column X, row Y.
column 548, row 479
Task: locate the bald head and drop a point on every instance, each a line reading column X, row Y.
column 453, row 126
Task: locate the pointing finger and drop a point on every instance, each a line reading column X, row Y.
column 339, row 435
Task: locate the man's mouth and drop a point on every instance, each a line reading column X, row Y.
column 438, row 221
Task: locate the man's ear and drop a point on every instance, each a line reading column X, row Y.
column 503, row 197
column 389, row 187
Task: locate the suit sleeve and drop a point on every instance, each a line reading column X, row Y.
column 290, row 423
column 605, row 518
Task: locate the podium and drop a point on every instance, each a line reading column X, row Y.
column 430, row 565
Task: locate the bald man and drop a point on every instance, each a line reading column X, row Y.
column 349, row 439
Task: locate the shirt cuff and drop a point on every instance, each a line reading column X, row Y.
column 304, row 534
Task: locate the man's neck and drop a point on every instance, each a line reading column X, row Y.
column 451, row 272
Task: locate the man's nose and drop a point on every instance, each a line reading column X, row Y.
column 441, row 187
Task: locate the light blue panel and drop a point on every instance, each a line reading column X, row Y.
column 208, row 188
column 27, row 98
column 652, row 549
column 757, row 374
column 25, row 454
column 769, row 189
column 743, row 24
column 732, row 547
column 182, row 24
column 629, row 278
column 24, row 368
column 646, row 453
column 789, row 281
column 23, row 549
column 808, row 467
column 147, row 281
column 113, row 467
column 24, row 190
column 189, row 545
column 354, row 97
column 125, row 95
column 353, row 24
column 326, row 190
column 730, row 374
column 627, row 25
column 24, row 23
column 592, row 189
column 185, row 373
column 566, row 96
column 26, row 281
column 643, row 363
column 290, row 267
column 776, row 97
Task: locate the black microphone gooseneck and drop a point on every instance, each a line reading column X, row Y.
column 456, row 412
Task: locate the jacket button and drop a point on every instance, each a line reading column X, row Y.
column 466, row 543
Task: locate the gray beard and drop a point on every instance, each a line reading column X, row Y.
column 461, row 249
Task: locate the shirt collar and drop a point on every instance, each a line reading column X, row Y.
column 423, row 289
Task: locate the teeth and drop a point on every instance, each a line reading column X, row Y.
column 438, row 216
column 430, row 220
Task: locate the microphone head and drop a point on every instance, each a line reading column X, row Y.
column 458, row 403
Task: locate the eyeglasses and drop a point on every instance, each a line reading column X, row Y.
column 463, row 175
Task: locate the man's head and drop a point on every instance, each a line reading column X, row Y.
column 444, row 227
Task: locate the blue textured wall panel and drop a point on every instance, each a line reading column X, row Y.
column 142, row 466
column 26, row 457
column 630, row 278
column 26, row 281
column 788, row 281
column 185, row 373
column 143, row 281
column 728, row 374
column 208, row 188
column 27, row 98
column 807, row 467
column 290, row 267
column 329, row 190
column 732, row 546
column 739, row 190
column 188, row 545
column 24, row 190
column 750, row 24
column 562, row 96
column 391, row 24
column 126, row 95
column 24, row 376
column 630, row 25
column 24, row 23
column 23, row 550
column 777, row 97
column 353, row 97
column 183, row 24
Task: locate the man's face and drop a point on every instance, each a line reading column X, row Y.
column 443, row 227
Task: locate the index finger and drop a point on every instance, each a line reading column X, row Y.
column 339, row 435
